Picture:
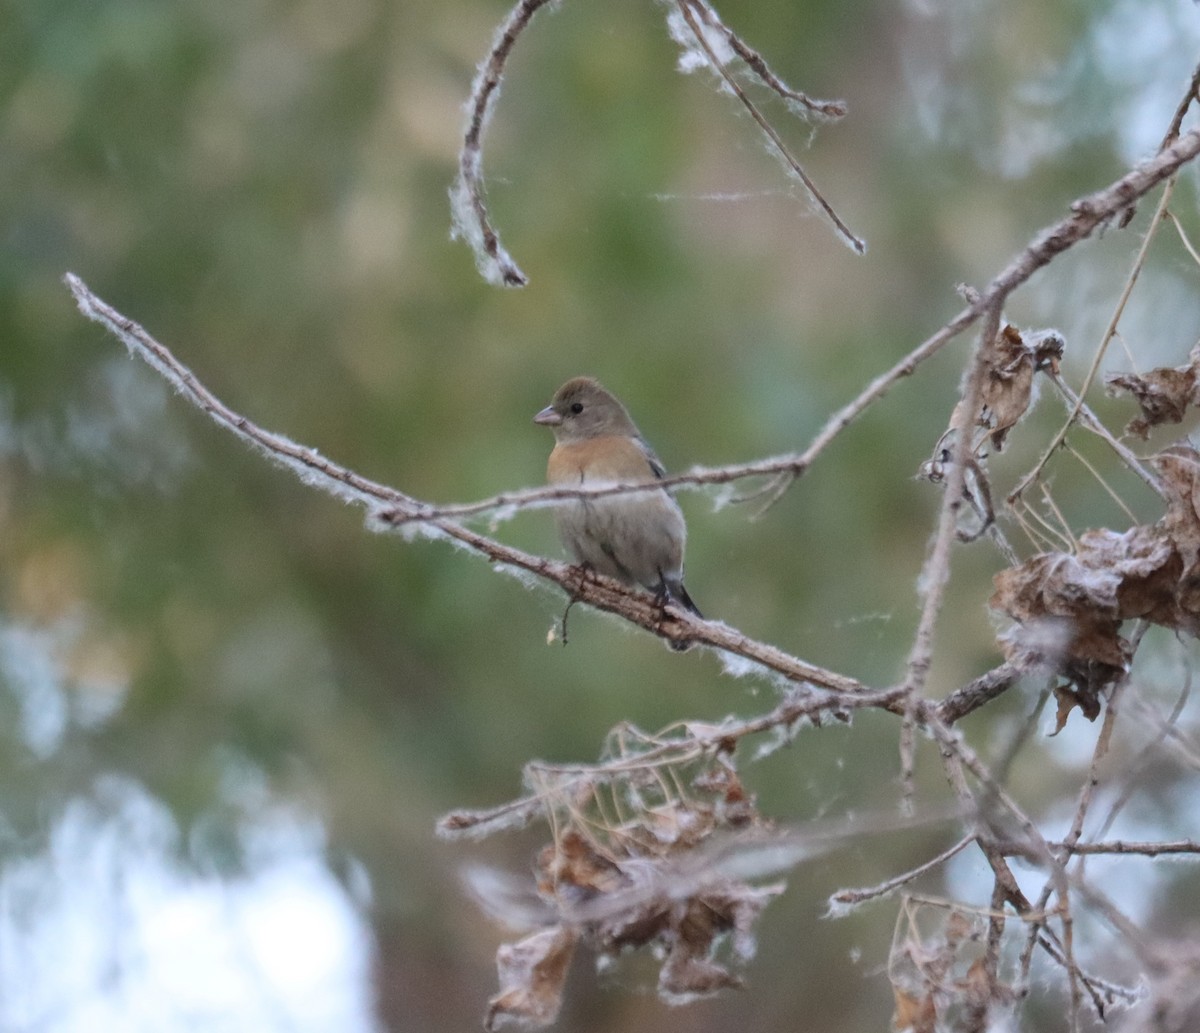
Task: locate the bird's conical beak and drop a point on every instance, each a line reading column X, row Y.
column 548, row 417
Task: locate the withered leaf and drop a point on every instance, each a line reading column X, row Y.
column 685, row 977
column 735, row 807
column 1008, row 384
column 1064, row 612
column 1069, row 607
column 1082, row 598
column 651, row 880
column 688, row 971
column 532, row 973
column 1068, row 699
column 978, row 984
column 959, row 927
column 1179, row 472
column 689, row 928
column 574, row 864
column 1163, row 394
column 917, row 1014
column 678, row 825
column 983, row 990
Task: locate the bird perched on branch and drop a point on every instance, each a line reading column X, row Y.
column 636, row 538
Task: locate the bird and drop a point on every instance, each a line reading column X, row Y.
column 636, row 538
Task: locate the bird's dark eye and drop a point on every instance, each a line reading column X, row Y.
column 577, row 408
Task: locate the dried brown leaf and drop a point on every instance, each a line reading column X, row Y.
column 1067, row 612
column 942, row 971
column 1008, row 384
column 1163, row 394
column 959, row 928
column 532, row 974
column 630, row 927
column 1006, row 394
column 1179, row 472
column 684, row 978
column 689, row 971
column 1068, row 699
column 657, row 879
column 978, row 984
column 679, row 825
column 572, row 865
column 1069, row 607
column 983, row 990
column 735, row 807
column 690, row 928
column 914, row 1013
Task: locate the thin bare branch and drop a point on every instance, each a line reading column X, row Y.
column 936, row 569
column 1088, row 214
column 1090, row 421
column 389, row 507
column 1188, row 246
column 1192, row 95
column 466, row 196
column 468, row 207
column 800, row 102
column 1125, row 846
column 851, row 897
column 677, row 745
column 1133, row 772
column 979, row 692
column 689, row 9
column 1106, row 338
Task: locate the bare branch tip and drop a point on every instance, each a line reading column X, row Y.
column 79, row 291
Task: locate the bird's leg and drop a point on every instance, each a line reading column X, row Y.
column 584, row 569
column 662, row 599
column 662, row 594
column 570, row 602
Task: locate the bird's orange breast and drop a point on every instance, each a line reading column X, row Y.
column 608, row 458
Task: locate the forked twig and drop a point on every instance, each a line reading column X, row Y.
column 688, row 9
column 851, row 897
column 800, row 102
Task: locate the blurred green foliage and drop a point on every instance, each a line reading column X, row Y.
column 263, row 185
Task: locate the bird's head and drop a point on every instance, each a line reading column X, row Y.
column 582, row 409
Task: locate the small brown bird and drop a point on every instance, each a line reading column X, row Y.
column 636, row 538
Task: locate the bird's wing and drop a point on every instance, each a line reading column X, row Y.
column 656, row 465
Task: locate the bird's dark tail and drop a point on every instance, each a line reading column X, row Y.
column 680, row 595
column 672, row 590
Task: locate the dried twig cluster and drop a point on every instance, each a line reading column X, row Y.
column 645, row 853
column 660, row 845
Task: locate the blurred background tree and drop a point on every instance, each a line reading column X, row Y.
column 233, row 716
